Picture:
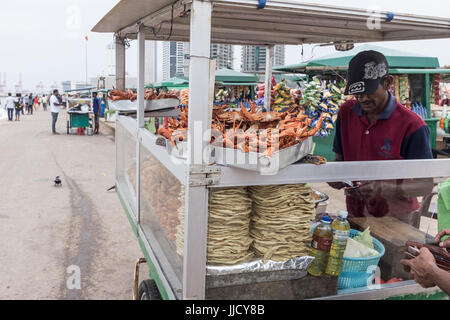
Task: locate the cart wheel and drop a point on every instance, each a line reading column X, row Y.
column 68, row 130
column 148, row 290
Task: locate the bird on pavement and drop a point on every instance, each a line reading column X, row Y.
column 58, row 182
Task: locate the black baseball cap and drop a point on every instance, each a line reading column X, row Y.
column 365, row 71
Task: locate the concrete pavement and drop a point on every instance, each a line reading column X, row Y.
column 46, row 232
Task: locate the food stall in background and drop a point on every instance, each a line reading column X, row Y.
column 227, row 213
column 79, row 110
column 233, row 87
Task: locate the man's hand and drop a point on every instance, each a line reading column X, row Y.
column 443, row 244
column 423, row 268
column 385, row 188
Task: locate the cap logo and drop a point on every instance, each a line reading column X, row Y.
column 372, row 71
column 357, row 87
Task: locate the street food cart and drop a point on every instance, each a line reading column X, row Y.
column 243, row 22
column 79, row 109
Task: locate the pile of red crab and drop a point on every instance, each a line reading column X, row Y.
column 250, row 131
column 150, row 94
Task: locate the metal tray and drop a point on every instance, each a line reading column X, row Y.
column 255, row 162
column 149, row 105
column 158, row 104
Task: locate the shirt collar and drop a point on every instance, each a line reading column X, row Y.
column 385, row 114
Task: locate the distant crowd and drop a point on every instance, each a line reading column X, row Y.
column 29, row 103
column 20, row 104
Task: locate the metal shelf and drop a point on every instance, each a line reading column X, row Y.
column 338, row 171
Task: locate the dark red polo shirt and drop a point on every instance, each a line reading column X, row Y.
column 397, row 134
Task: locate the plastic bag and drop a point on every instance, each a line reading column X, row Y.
column 355, row 249
column 365, row 238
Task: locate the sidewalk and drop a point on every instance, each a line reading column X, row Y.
column 44, row 229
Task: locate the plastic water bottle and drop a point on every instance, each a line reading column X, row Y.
column 320, row 247
column 341, row 230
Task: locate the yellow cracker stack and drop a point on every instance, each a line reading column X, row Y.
column 281, row 220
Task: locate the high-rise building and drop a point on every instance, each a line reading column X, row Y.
column 254, row 58
column 223, row 53
column 150, row 62
column 173, row 59
column 176, row 58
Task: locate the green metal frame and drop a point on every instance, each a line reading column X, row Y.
column 439, row 295
column 79, row 120
column 153, row 274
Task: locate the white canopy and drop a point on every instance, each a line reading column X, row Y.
column 279, row 22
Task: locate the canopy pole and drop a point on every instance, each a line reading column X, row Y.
column 427, row 94
column 120, row 64
column 140, row 115
column 196, row 205
column 141, row 77
column 268, row 83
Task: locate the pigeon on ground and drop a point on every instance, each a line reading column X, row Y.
column 58, row 182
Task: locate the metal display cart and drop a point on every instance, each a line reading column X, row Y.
column 78, row 117
column 240, row 22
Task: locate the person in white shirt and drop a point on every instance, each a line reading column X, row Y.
column 9, row 106
column 54, row 108
column 44, row 102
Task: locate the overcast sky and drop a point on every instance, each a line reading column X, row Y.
column 44, row 39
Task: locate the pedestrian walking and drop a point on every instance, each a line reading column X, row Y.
column 25, row 101
column 19, row 105
column 55, row 104
column 36, row 103
column 9, row 106
column 30, row 104
column 44, row 102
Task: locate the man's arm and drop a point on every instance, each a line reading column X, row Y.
column 424, row 269
column 442, row 280
column 397, row 189
column 415, row 187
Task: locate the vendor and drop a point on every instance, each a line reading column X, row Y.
column 374, row 126
column 96, row 108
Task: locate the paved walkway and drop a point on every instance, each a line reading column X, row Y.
column 45, row 230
